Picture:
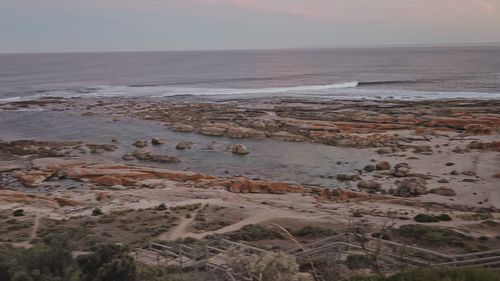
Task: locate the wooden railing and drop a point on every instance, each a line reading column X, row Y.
column 214, row 255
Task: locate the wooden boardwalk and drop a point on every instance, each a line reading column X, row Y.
column 213, row 256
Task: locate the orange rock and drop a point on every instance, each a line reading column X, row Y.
column 103, row 196
column 32, row 178
column 66, row 202
column 344, row 195
column 495, row 145
column 128, row 175
column 107, row 180
column 243, row 185
column 477, row 129
column 27, row 198
column 455, row 123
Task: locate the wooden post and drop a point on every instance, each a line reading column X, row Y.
column 207, row 256
column 348, row 241
column 180, row 256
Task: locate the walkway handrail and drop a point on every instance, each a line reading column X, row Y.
column 343, row 243
column 471, row 261
column 353, row 246
column 348, row 234
column 245, row 246
column 475, row 254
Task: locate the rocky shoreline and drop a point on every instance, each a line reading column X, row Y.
column 421, row 157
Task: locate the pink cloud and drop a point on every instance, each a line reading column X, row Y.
column 335, row 11
column 489, row 7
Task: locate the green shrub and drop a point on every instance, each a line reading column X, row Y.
column 444, row 217
column 50, row 259
column 188, row 207
column 96, row 212
column 18, row 213
column 21, row 276
column 254, row 232
column 436, row 274
column 107, row 262
column 425, row 218
column 161, row 207
column 431, row 218
column 432, row 235
column 313, row 232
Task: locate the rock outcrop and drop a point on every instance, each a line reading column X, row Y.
column 157, row 141
column 444, row 191
column 369, row 184
column 184, row 145
column 140, row 143
column 345, row 177
column 182, row 128
column 401, row 170
column 383, row 165
column 494, row 145
column 36, row 199
column 32, row 178
column 410, row 187
column 477, row 129
column 239, row 149
column 243, row 185
column 213, row 131
column 242, row 132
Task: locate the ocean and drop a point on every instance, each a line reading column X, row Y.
column 409, row 73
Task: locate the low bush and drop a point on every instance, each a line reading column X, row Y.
column 432, row 235
column 188, row 207
column 425, row 218
column 436, row 274
column 96, row 212
column 444, row 217
column 431, row 218
column 161, row 207
column 18, row 213
column 254, row 232
column 313, row 232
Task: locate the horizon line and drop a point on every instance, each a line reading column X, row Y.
column 352, row 46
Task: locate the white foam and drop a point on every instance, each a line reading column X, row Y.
column 339, row 91
column 411, row 95
column 6, row 100
column 161, row 91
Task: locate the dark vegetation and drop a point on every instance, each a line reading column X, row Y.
column 18, row 213
column 131, row 228
column 254, row 232
column 313, row 232
column 432, row 235
column 50, row 259
column 432, row 274
column 432, row 218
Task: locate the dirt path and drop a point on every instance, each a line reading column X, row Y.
column 179, row 230
column 36, row 226
column 256, row 218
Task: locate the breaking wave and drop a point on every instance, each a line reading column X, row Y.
column 167, row 91
column 341, row 91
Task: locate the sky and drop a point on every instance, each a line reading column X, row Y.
column 141, row 25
